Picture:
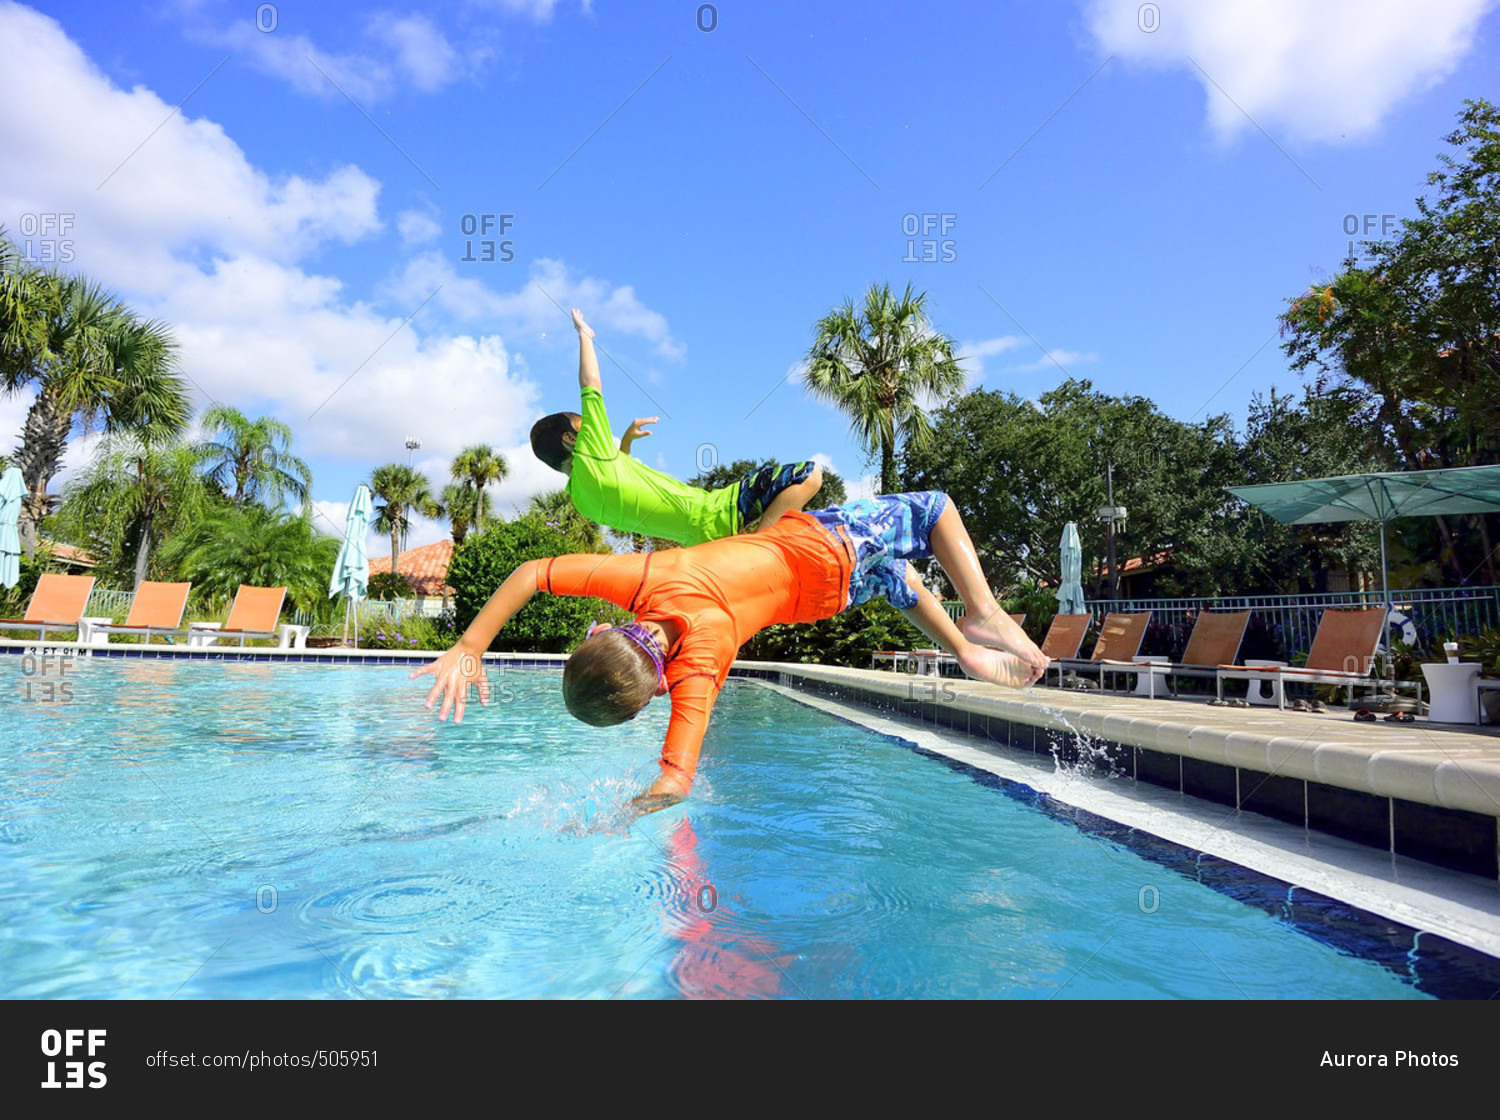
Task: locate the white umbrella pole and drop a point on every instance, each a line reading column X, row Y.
column 1385, row 592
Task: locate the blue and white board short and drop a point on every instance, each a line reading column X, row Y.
column 886, row 532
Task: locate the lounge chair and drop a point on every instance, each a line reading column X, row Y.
column 1065, row 635
column 1119, row 641
column 57, row 604
column 1215, row 641
column 253, row 615
column 156, row 610
column 1343, row 652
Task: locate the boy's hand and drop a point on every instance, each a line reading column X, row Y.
column 582, row 327
column 638, row 429
column 455, row 671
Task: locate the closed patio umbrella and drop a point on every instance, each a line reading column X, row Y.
column 11, row 491
column 351, row 571
column 1070, row 590
column 1380, row 497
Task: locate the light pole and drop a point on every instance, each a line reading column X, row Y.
column 412, row 444
column 1111, row 513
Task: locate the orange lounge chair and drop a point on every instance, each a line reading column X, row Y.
column 1343, row 652
column 253, row 615
column 57, row 604
column 1119, row 641
column 1215, row 641
column 156, row 609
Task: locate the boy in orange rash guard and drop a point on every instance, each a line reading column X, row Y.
column 696, row 606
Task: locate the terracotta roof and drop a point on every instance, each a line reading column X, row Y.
column 67, row 554
column 426, row 567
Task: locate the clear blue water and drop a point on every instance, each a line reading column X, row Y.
column 250, row 830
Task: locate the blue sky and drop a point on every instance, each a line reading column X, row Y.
column 1131, row 193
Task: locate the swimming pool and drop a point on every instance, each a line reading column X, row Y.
column 255, row 830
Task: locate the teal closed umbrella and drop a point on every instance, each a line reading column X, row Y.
column 1070, row 590
column 12, row 489
column 351, row 571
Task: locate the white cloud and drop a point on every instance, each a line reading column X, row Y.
column 394, row 51
column 1311, row 72
column 1052, row 359
column 416, row 227
column 971, row 355
column 540, row 305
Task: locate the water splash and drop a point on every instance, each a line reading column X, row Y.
column 1090, row 751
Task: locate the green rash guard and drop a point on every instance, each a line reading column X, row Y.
column 617, row 490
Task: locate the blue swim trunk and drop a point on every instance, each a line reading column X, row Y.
column 886, row 532
column 759, row 488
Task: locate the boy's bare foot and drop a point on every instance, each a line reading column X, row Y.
column 1000, row 632
column 985, row 664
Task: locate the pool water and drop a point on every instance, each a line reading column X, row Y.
column 255, row 830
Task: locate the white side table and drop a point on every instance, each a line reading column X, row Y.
column 1255, row 691
column 200, row 634
column 1145, row 683
column 89, row 635
column 293, row 637
column 1452, row 697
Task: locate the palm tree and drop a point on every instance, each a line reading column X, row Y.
column 255, row 455
column 882, row 364
column 133, row 491
column 557, row 510
column 91, row 360
column 462, row 504
column 476, row 467
column 400, row 491
column 257, row 546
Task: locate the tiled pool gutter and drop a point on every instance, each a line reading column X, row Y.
column 1430, row 792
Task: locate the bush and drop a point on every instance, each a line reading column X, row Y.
column 547, row 624
column 387, row 586
column 845, row 639
column 415, row 633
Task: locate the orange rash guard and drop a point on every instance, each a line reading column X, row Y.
column 720, row 593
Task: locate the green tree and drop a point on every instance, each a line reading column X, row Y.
column 261, row 547
column 1413, row 336
column 548, row 623
column 251, row 460
column 474, row 468
column 879, row 364
column 91, row 361
column 555, row 510
column 400, row 492
column 1021, row 471
column 130, row 498
column 831, row 493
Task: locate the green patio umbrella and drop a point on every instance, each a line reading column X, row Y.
column 1378, row 497
column 12, row 489
column 351, row 571
column 1070, row 590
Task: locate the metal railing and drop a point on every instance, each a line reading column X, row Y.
column 104, row 603
column 1283, row 626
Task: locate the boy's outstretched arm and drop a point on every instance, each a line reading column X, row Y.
column 463, row 664
column 588, row 361
column 636, row 431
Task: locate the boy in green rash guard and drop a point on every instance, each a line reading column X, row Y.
column 608, row 485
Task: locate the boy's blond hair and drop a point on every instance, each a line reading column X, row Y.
column 608, row 679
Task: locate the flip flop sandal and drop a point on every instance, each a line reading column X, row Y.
column 1238, row 703
column 1316, row 706
column 1400, row 717
column 1364, row 715
column 1217, row 703
column 1297, row 706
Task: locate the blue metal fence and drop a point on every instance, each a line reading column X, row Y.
column 1284, row 625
